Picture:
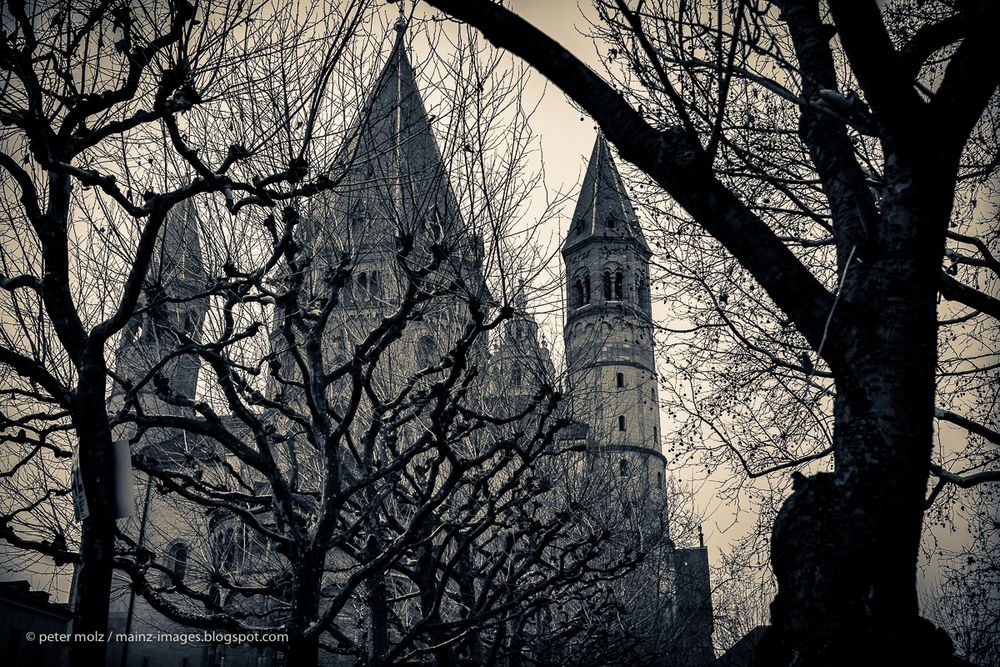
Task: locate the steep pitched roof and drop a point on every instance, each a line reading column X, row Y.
column 177, row 264
column 172, row 300
column 395, row 178
column 603, row 210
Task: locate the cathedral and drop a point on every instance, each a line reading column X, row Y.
column 395, row 192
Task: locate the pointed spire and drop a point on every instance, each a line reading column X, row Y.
column 522, row 325
column 178, row 265
column 521, row 298
column 173, row 303
column 400, row 25
column 525, row 362
column 604, row 209
column 394, row 169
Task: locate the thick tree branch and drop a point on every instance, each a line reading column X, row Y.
column 671, row 157
column 877, row 66
column 968, row 86
column 20, row 282
column 929, row 39
column 29, row 194
column 824, row 131
column 35, row 372
column 969, row 425
column 988, row 260
column 953, row 290
column 965, row 481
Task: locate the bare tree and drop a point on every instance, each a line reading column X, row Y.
column 330, row 446
column 113, row 114
column 835, row 152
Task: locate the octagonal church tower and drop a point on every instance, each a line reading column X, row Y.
column 609, row 337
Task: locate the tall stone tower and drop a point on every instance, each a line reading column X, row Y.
column 394, row 205
column 608, row 335
column 170, row 309
column 613, row 391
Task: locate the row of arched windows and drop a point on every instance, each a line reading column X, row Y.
column 363, row 288
column 613, row 284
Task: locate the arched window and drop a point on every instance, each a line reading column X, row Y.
column 623, row 467
column 375, row 284
column 361, row 287
column 229, row 549
column 613, row 284
column 149, row 333
column 642, row 293
column 659, row 479
column 427, row 352
column 609, row 222
column 621, row 422
column 177, row 558
column 579, row 226
column 620, row 380
column 515, row 376
column 357, row 215
column 435, row 226
column 655, row 436
column 581, row 291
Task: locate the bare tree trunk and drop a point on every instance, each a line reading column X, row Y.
column 427, row 583
column 306, row 582
column 467, row 591
column 378, row 608
column 98, row 535
column 516, row 642
column 845, row 543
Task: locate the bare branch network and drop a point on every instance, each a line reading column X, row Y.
column 273, row 269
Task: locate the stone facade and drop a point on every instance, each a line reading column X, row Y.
column 396, row 186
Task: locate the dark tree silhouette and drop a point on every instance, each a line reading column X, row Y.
column 328, row 444
column 112, row 114
column 892, row 113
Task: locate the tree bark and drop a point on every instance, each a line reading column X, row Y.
column 303, row 647
column 845, row 544
column 428, row 585
column 467, row 594
column 98, row 534
column 378, row 607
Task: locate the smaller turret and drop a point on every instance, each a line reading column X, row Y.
column 170, row 310
column 524, row 363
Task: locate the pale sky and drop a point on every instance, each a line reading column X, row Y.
column 566, row 141
column 566, row 138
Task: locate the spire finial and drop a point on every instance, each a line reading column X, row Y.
column 521, row 298
column 400, row 25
